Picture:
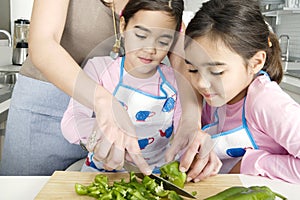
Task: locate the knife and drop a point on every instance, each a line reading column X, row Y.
column 167, row 184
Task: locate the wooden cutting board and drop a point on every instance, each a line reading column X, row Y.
column 61, row 185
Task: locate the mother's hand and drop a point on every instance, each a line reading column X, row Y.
column 114, row 134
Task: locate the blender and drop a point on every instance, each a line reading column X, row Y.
column 21, row 31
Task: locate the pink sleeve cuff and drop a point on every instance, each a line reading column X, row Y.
column 250, row 162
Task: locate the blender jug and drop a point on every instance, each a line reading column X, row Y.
column 21, row 31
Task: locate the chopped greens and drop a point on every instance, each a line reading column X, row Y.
column 147, row 189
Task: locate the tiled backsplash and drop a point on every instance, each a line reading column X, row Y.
column 289, row 25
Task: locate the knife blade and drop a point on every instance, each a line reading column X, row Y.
column 167, row 184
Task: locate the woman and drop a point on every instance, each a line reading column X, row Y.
column 62, row 34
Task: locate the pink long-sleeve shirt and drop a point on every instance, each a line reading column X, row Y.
column 273, row 118
column 77, row 123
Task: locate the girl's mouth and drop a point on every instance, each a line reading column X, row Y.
column 145, row 60
column 208, row 95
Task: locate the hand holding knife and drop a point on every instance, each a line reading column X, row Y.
column 167, row 184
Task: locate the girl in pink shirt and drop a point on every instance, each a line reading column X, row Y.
column 235, row 64
column 145, row 88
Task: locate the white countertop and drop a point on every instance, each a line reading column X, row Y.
column 291, row 80
column 27, row 187
column 21, row 187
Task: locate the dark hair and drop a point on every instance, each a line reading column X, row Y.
column 173, row 7
column 241, row 26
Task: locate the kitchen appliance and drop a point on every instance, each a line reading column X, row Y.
column 268, row 5
column 21, row 31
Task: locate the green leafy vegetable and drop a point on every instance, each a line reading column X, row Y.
column 172, row 173
column 147, row 189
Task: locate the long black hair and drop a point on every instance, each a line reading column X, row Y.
column 241, row 26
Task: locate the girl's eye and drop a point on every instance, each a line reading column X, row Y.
column 140, row 36
column 163, row 43
column 193, row 70
column 217, row 73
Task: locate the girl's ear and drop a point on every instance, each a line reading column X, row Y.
column 257, row 62
column 122, row 26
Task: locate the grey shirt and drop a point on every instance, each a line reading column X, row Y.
column 88, row 32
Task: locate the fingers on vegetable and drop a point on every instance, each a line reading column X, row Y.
column 172, row 173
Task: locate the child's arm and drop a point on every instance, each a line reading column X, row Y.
column 274, row 166
column 275, row 125
column 78, row 120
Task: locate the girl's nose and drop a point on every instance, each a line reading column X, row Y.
column 149, row 46
column 203, row 83
column 150, row 50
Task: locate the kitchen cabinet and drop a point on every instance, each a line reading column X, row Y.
column 4, row 16
column 285, row 21
column 278, row 13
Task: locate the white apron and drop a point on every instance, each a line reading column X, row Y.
column 230, row 145
column 151, row 115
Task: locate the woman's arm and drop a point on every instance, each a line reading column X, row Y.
column 55, row 63
column 46, row 29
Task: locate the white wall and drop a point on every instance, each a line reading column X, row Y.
column 20, row 9
column 23, row 8
column 193, row 5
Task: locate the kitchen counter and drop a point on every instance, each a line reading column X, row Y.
column 28, row 187
column 290, row 83
column 5, row 96
column 291, row 79
column 6, row 91
column 21, row 187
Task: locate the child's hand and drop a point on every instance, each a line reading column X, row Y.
column 199, row 160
